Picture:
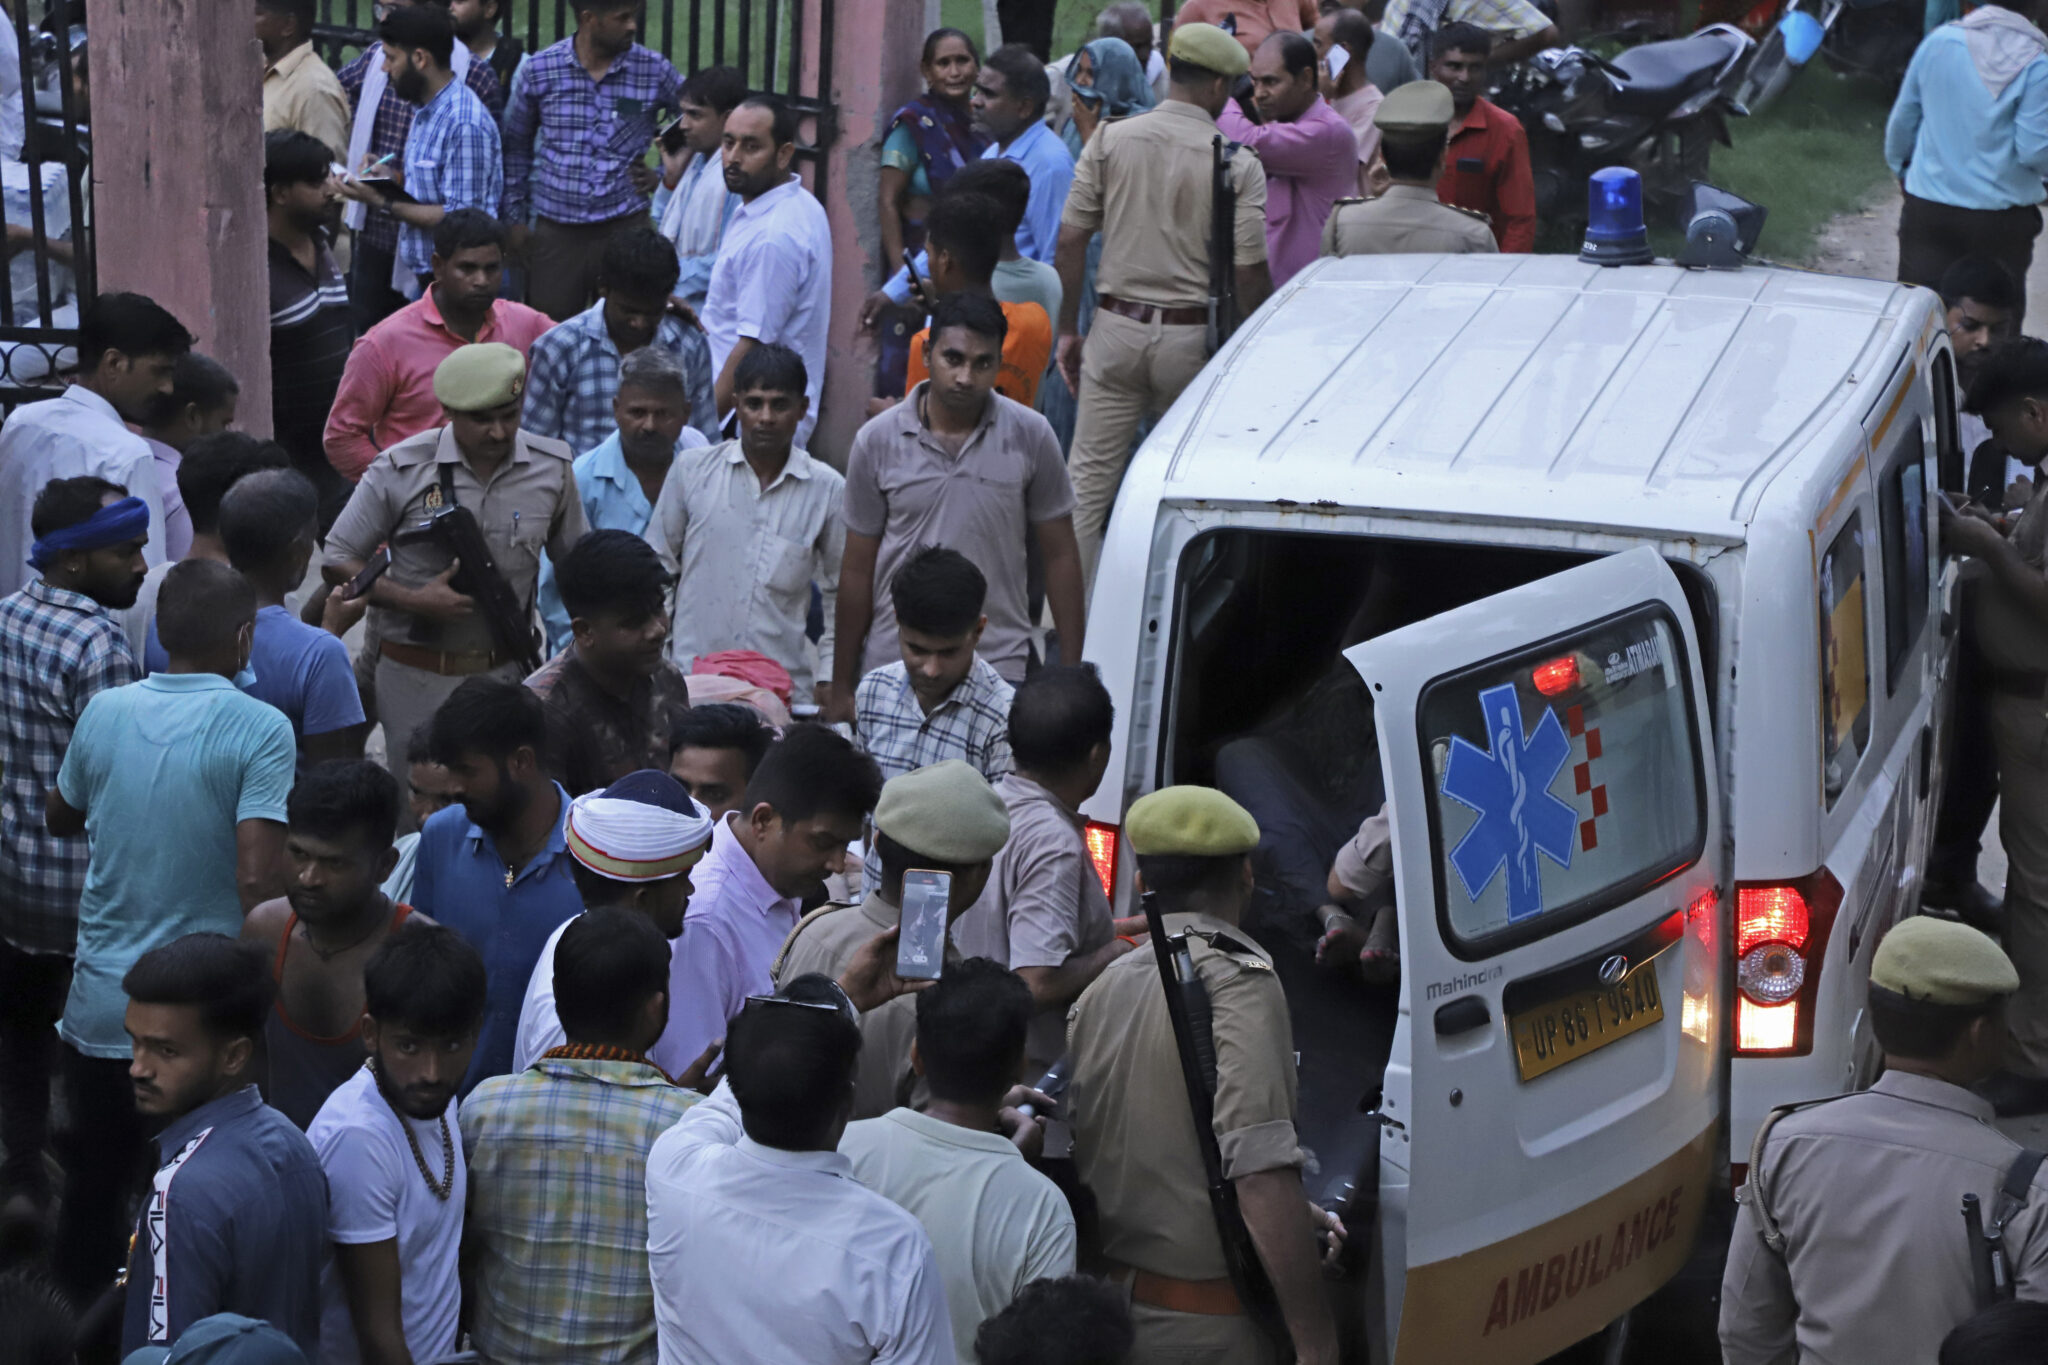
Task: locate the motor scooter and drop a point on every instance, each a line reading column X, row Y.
column 1858, row 37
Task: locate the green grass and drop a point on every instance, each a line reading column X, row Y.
column 1070, row 25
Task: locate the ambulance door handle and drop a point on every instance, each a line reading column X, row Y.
column 1461, row 1016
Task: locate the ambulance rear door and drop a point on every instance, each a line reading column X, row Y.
column 1550, row 1106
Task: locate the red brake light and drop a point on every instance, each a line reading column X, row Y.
column 1769, row 914
column 1102, row 840
column 1556, row 677
column 1781, row 941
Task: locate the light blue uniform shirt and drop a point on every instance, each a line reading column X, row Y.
column 164, row 770
column 1045, row 158
column 1957, row 145
column 612, row 501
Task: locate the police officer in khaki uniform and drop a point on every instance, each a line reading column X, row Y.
column 1850, row 1243
column 941, row 818
column 1146, row 184
column 1134, row 1134
column 2008, row 623
column 1415, row 128
column 523, row 494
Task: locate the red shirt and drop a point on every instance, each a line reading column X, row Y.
column 1487, row 170
column 387, row 388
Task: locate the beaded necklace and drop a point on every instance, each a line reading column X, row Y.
column 602, row 1052
column 445, row 1186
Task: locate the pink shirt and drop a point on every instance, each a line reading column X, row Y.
column 1358, row 107
column 387, row 388
column 1310, row 164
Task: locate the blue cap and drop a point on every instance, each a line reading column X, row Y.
column 223, row 1339
column 652, row 787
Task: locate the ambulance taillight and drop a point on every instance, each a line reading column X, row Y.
column 1781, row 938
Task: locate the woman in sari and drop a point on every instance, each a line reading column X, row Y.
column 928, row 140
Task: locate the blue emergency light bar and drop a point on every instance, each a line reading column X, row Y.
column 1615, row 234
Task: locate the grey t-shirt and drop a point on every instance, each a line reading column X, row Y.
column 1027, row 281
column 1389, row 64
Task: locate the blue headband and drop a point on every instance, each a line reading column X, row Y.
column 113, row 524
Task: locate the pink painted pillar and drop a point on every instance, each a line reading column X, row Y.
column 874, row 69
column 177, row 172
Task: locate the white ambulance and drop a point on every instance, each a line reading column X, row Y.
column 1620, row 587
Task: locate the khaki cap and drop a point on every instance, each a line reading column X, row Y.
column 479, row 377
column 1194, row 822
column 1208, row 47
column 1416, row 110
column 947, row 811
column 1942, row 963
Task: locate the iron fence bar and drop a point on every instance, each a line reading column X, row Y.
column 718, row 35
column 747, row 48
column 827, row 124
column 770, row 24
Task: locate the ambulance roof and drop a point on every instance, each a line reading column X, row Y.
column 1534, row 388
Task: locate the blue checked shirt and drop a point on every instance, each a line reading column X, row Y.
column 972, row 723
column 452, row 159
column 572, row 374
column 390, row 124
column 58, row 649
column 593, row 131
column 557, row 1159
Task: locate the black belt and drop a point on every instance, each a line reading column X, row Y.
column 2018, row 682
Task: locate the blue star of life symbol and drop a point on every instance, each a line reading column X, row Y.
column 1509, row 789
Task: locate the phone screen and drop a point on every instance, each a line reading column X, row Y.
column 921, row 946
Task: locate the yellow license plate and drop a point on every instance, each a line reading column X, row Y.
column 1567, row 1028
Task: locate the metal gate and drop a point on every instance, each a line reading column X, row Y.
column 45, row 202
column 763, row 38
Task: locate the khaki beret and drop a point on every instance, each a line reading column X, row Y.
column 479, row 377
column 1942, row 963
column 1208, row 47
column 1195, row 822
column 1418, row 109
column 947, row 811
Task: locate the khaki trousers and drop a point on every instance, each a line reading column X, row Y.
column 2019, row 732
column 1165, row 1337
column 1130, row 370
column 407, row 698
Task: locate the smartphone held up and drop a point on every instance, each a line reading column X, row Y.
column 921, row 946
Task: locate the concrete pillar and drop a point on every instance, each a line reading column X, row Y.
column 177, row 172
column 874, row 70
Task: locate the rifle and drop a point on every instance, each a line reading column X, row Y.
column 1187, row 1005
column 1990, row 1262
column 454, row 528
column 1222, row 244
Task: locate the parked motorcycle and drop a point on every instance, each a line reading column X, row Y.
column 1860, row 37
column 1657, row 109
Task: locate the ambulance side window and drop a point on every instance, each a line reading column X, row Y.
column 1902, row 506
column 1844, row 659
column 1950, row 459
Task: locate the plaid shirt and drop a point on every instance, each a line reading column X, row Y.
column 973, row 723
column 57, row 650
column 593, row 129
column 451, row 158
column 572, row 374
column 392, row 122
column 558, row 1208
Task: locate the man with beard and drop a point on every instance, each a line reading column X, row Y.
column 476, row 24
column 390, row 1292
column 128, row 350
column 773, row 278
column 693, row 203
column 331, row 919
column 236, row 1216
column 612, row 696
column 496, row 868
column 60, row 645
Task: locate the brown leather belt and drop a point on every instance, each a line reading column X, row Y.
column 448, row 663
column 1145, row 312
column 2019, row 682
column 1211, row 1298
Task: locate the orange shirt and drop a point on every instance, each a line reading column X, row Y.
column 1027, row 351
column 1251, row 20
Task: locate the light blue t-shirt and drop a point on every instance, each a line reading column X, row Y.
column 302, row 670
column 164, row 770
column 1956, row 143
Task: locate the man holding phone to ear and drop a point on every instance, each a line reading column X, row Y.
column 941, row 826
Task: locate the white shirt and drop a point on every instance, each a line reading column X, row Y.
column 540, row 1027
column 13, row 113
column 766, row 1257
column 76, row 433
column 744, row 557
column 376, row 1193
column 773, row 282
column 996, row 1225
column 735, row 928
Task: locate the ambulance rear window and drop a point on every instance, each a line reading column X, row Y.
column 1564, row 780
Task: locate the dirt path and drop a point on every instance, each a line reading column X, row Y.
column 1866, row 242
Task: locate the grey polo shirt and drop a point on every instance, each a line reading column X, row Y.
column 905, row 490
column 1043, row 905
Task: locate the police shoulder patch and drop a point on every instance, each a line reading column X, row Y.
column 1472, row 213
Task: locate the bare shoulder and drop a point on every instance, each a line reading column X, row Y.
column 266, row 923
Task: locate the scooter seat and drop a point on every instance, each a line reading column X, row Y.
column 1659, row 77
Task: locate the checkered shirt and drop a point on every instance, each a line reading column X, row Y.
column 572, row 374
column 558, row 1208
column 452, row 158
column 392, row 122
column 972, row 723
column 58, row 649
column 593, row 129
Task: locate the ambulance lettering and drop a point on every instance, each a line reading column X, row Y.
column 1561, row 1276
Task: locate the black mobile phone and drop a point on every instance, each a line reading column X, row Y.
column 921, row 942
column 389, row 189
column 670, row 134
column 372, row 571
column 916, row 280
